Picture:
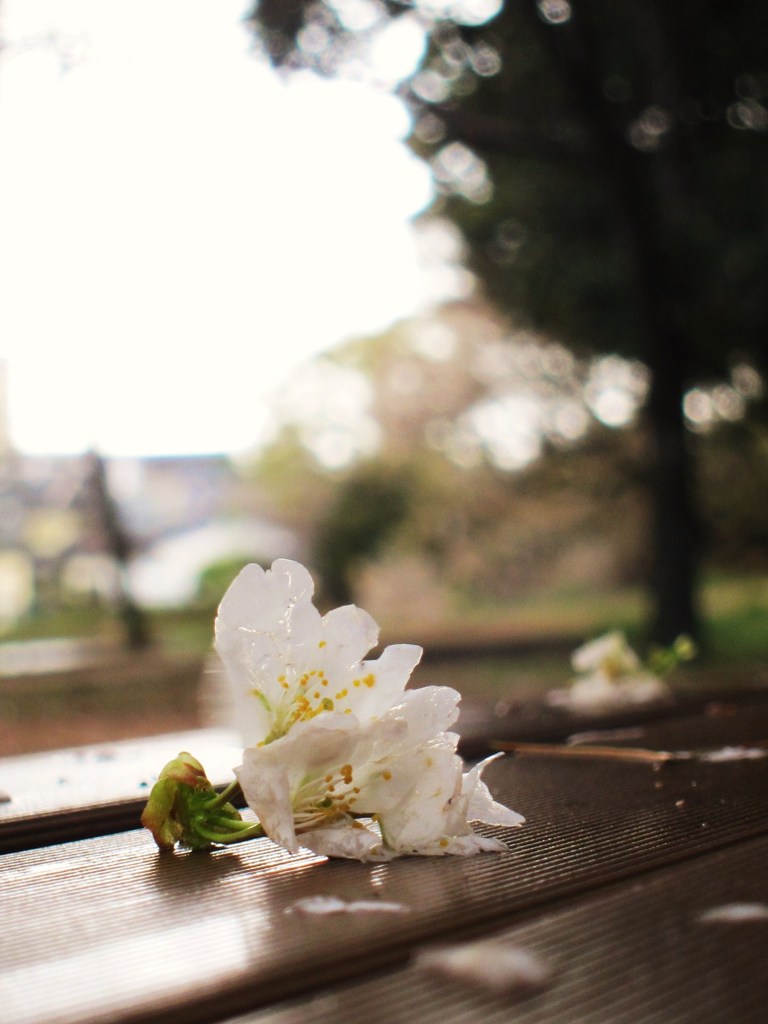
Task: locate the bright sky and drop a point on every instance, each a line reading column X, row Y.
column 180, row 226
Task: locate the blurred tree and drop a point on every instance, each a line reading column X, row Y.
column 369, row 504
column 463, row 408
column 734, row 494
column 118, row 546
column 608, row 166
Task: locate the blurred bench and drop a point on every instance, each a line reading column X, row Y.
column 636, row 891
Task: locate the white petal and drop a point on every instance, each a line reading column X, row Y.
column 267, row 792
column 375, row 685
column 351, row 632
column 393, row 670
column 489, row 964
column 427, row 711
column 415, row 802
column 462, row 846
column 265, row 623
column 323, row 905
column 466, row 846
column 352, row 842
column 610, row 647
column 481, row 806
column 257, row 600
column 597, row 691
column 291, row 589
column 326, row 741
column 271, row 639
column 419, row 717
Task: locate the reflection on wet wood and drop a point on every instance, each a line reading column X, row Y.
column 109, row 929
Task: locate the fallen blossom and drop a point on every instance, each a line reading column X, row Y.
column 736, row 753
column 322, row 905
column 729, row 913
column 488, row 964
column 312, row 786
column 339, row 757
column 609, row 674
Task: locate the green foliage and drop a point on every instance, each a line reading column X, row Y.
column 609, row 139
column 367, row 509
column 626, row 147
column 607, row 165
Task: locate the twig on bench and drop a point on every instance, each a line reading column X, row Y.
column 589, row 751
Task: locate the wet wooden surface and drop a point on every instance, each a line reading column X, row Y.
column 86, row 791
column 605, row 884
column 685, row 944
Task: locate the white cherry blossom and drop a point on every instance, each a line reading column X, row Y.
column 610, row 675
column 287, row 664
column 325, row 770
column 311, row 786
column 609, row 654
column 332, row 738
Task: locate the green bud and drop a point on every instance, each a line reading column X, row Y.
column 663, row 660
column 183, row 807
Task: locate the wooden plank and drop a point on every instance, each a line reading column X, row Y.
column 88, row 791
column 536, row 721
column 686, row 944
column 108, row 930
column 723, row 723
column 726, row 730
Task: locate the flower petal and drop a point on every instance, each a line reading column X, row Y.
column 283, row 781
column 427, row 711
column 461, row 846
column 350, row 632
column 267, row 792
column 610, row 649
column 351, row 841
column 265, row 621
column 414, row 796
column 480, row 804
column 267, row 601
column 372, row 686
column 286, row 664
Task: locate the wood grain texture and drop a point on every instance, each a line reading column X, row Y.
column 95, row 790
column 641, row 952
column 109, row 930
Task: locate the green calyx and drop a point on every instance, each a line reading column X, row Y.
column 663, row 660
column 183, row 807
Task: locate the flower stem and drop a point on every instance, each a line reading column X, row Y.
column 239, row 836
column 225, row 796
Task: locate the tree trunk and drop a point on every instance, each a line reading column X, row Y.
column 651, row 197
column 118, row 546
column 675, row 541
